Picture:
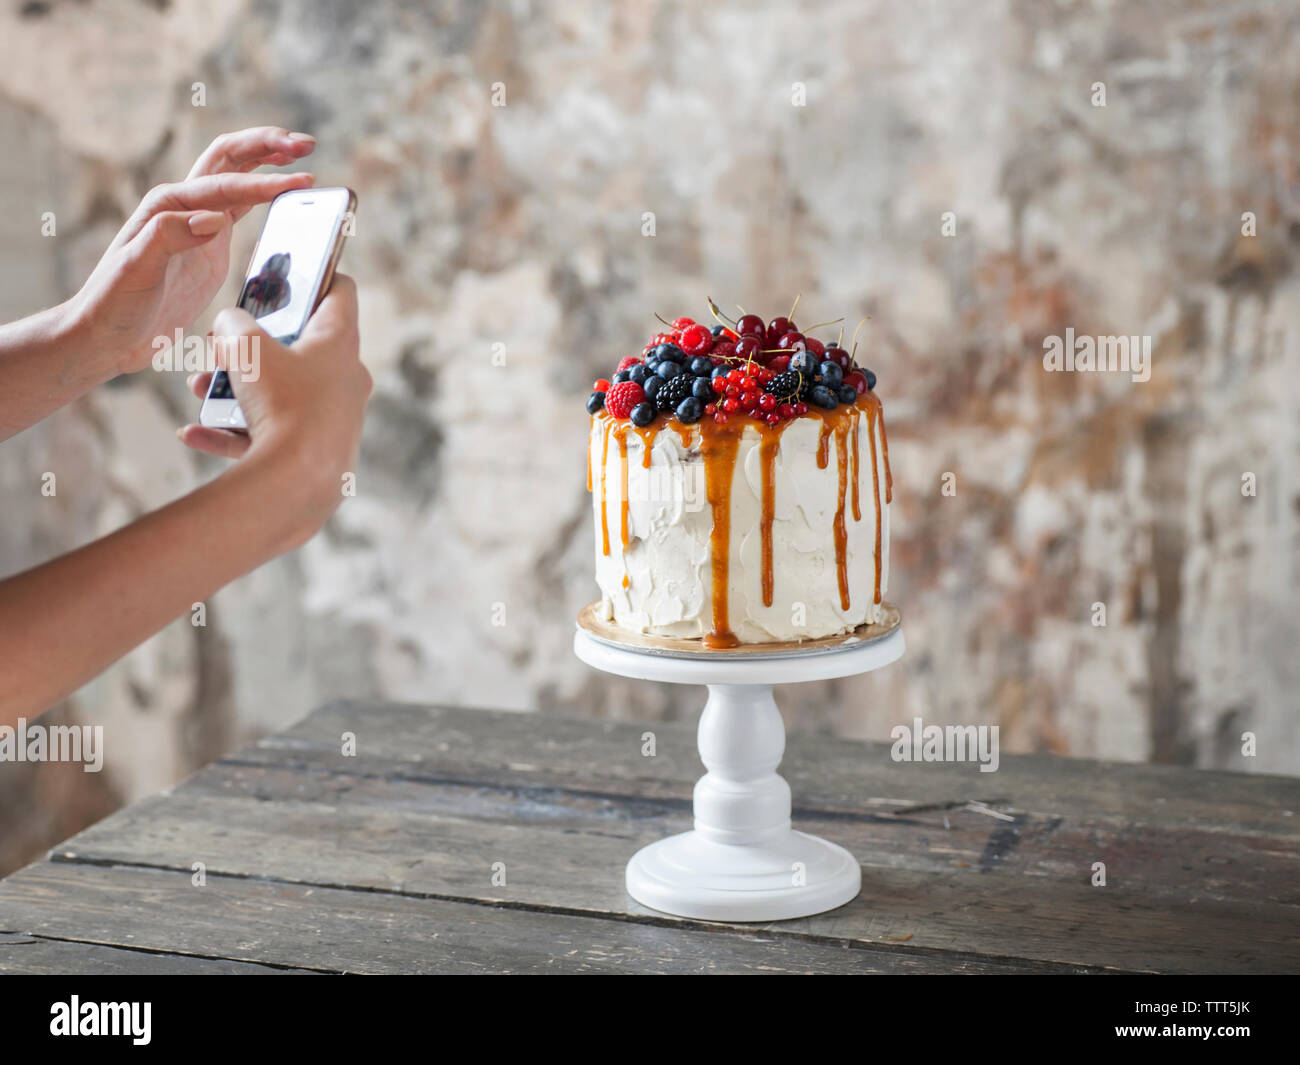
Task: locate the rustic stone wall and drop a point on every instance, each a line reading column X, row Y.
column 522, row 226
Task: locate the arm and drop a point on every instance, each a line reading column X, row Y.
column 162, row 269
column 66, row 621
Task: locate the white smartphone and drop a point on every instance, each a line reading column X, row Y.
column 289, row 274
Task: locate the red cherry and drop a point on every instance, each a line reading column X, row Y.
column 750, row 324
column 682, row 323
column 842, row 358
column 789, row 340
column 779, row 364
column 722, row 349
column 858, row 381
column 603, row 386
column 748, row 346
column 815, row 346
column 730, row 334
column 767, row 401
column 776, row 329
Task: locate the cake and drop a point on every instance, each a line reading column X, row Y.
column 740, row 486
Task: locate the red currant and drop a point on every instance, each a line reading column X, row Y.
column 767, row 401
column 801, row 409
column 748, row 384
column 786, row 410
column 710, row 408
column 731, row 404
column 735, row 377
column 750, row 324
column 719, row 419
column 773, row 419
column 603, row 386
column 748, row 401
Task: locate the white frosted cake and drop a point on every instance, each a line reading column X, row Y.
column 740, row 487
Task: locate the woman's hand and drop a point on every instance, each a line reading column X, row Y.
column 173, row 254
column 305, row 406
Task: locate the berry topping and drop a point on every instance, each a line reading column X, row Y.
column 702, row 390
column 627, row 363
column 832, row 375
column 696, row 340
column 805, row 362
column 595, row 402
column 784, row 385
column 683, row 323
column 701, row 366
column 673, row 391
column 824, row 397
column 643, row 414
column 751, row 325
column 871, row 381
column 776, row 329
column 622, row 397
column 600, row 386
column 690, row 410
column 669, row 352
column 652, row 385
column 638, row 373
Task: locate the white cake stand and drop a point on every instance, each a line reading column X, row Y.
column 743, row 861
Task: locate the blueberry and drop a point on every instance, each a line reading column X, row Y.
column 638, row 373
column 832, row 375
column 717, row 330
column 689, row 410
column 671, row 352
column 622, row 375
column 651, row 386
column 832, row 343
column 820, row 395
column 805, row 362
column 668, row 370
column 643, row 414
column 652, row 360
column 871, row 380
column 596, row 402
column 720, row 370
column 703, row 390
column 847, row 394
column 701, row 366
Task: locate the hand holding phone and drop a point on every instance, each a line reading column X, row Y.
column 289, row 274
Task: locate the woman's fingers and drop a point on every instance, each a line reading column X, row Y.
column 170, row 232
column 247, row 149
column 200, row 383
column 233, row 193
column 220, row 442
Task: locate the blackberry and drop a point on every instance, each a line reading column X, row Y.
column 673, row 391
column 784, row 385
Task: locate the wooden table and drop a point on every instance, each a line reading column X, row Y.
column 384, row 861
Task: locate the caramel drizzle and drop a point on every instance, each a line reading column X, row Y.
column 621, row 434
column 841, row 533
column 873, row 412
column 604, row 498
column 823, row 445
column 719, row 444
column 884, row 442
column 854, row 463
column 767, row 449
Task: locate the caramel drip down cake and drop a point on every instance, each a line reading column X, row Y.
column 740, row 487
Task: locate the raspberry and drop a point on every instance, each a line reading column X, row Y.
column 696, row 340
column 682, row 323
column 625, row 395
column 628, row 362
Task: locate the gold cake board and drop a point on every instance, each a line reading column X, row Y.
column 591, row 622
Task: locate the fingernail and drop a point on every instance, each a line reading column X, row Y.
column 180, row 433
column 303, row 138
column 205, row 223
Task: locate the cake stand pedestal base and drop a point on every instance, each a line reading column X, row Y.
column 743, row 861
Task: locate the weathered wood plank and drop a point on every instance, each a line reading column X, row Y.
column 374, row 932
column 51, row 957
column 825, row 773
column 976, row 889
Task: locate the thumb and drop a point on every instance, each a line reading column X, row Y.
column 239, row 344
column 171, row 232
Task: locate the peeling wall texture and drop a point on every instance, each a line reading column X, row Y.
column 522, row 226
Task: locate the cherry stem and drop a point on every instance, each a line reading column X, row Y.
column 790, row 316
column 663, row 319
column 855, row 336
column 820, row 324
column 718, row 314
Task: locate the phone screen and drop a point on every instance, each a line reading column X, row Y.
column 288, row 265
